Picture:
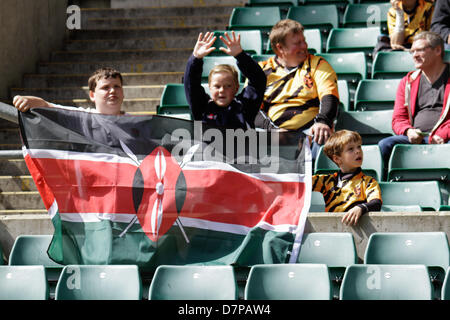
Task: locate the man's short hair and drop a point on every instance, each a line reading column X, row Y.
column 225, row 68
column 337, row 141
column 281, row 29
column 433, row 39
column 103, row 73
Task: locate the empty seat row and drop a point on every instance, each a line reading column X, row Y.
column 336, row 251
column 265, row 282
column 323, row 14
column 274, row 282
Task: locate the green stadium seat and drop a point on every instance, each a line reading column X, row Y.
column 99, row 282
column 344, row 95
column 173, row 102
column 252, row 18
column 323, row 17
column 371, row 125
column 426, row 194
column 444, row 208
column 386, row 282
column 317, row 202
column 419, row 162
column 341, row 2
column 29, row 250
column 366, row 15
column 23, row 283
column 284, row 5
column 349, row 66
column 353, row 39
column 392, row 65
column 210, row 62
column 375, row 95
column 406, row 208
column 427, row 248
column 445, row 294
column 260, row 3
column 313, row 38
column 193, row 283
column 288, row 282
column 372, row 163
column 335, row 249
column 251, row 41
column 447, row 56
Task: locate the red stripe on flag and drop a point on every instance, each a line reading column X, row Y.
column 81, row 186
column 231, row 197
column 44, row 190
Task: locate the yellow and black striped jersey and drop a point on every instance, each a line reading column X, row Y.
column 416, row 22
column 293, row 97
column 341, row 195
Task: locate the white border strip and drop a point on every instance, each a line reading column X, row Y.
column 307, row 203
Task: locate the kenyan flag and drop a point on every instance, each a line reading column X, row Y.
column 151, row 190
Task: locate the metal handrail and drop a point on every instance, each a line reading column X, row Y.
column 11, row 154
column 8, row 112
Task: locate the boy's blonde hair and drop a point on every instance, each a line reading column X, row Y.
column 337, row 141
column 226, row 68
column 103, row 73
column 281, row 29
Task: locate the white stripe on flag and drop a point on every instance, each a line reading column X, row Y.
column 187, row 222
column 275, row 177
column 306, row 205
column 53, row 210
column 97, row 217
column 71, row 155
column 196, row 165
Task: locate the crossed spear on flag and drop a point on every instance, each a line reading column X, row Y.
column 160, row 169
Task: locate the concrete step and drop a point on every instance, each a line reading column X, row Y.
column 7, row 124
column 16, row 184
column 150, row 32
column 72, row 80
column 20, row 200
column 138, row 105
column 65, row 93
column 171, row 3
column 157, row 11
column 120, row 55
column 161, row 22
column 10, row 145
column 123, row 66
column 10, row 135
column 13, row 167
column 144, row 43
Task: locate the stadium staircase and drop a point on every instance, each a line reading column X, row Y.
column 149, row 41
